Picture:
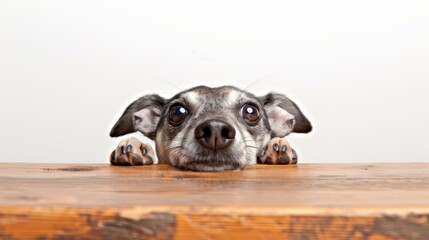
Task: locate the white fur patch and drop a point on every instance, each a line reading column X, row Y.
column 232, row 98
column 192, row 97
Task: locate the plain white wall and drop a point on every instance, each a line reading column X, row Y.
column 358, row 69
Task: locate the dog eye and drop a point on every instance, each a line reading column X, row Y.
column 178, row 113
column 250, row 113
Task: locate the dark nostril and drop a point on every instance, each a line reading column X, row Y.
column 206, row 132
column 202, row 131
column 228, row 133
column 225, row 133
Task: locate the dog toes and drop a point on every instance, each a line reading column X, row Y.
column 132, row 152
column 278, row 151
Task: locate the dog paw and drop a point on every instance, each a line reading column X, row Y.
column 132, row 152
column 278, row 151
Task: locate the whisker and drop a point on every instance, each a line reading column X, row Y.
column 187, row 167
column 259, row 148
column 171, row 84
column 169, row 150
column 248, row 138
column 255, row 82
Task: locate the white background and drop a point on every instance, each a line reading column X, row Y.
column 358, row 69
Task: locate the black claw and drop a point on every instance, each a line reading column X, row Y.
column 144, row 150
column 123, row 149
column 284, row 148
column 129, row 148
column 276, row 147
column 112, row 158
column 263, row 152
column 294, row 157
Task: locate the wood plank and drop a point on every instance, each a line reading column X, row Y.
column 304, row 201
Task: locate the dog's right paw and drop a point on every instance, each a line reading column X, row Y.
column 132, row 152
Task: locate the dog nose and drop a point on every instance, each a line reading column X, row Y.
column 215, row 134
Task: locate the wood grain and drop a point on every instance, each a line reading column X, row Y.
column 304, row 201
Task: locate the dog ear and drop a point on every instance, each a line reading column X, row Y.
column 284, row 115
column 142, row 115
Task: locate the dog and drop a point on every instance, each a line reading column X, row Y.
column 210, row 129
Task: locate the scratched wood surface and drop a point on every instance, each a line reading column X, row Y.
column 304, row 201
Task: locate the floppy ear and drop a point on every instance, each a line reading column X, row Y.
column 284, row 115
column 142, row 115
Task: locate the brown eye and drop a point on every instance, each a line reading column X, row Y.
column 250, row 113
column 178, row 113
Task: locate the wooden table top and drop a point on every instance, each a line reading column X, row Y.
column 304, row 201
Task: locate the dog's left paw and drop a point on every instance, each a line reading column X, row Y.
column 278, row 151
column 132, row 152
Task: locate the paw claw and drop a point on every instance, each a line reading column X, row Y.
column 123, row 150
column 284, row 148
column 294, row 157
column 276, row 147
column 112, row 158
column 129, row 148
column 144, row 150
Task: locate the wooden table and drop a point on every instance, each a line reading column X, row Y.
column 304, row 201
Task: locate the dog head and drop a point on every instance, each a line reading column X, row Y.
column 211, row 129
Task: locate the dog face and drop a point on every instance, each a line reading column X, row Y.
column 211, row 129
